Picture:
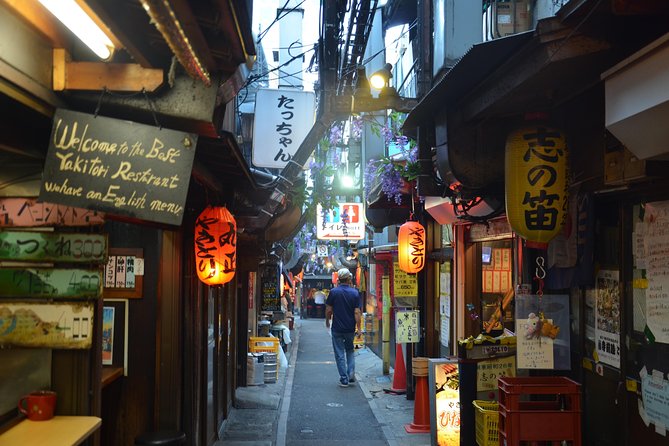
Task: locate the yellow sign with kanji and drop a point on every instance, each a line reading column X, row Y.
column 405, row 285
column 487, row 372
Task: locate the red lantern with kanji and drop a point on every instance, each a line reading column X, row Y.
column 411, row 247
column 215, row 246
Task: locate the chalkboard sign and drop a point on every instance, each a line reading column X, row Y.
column 119, row 167
column 269, row 287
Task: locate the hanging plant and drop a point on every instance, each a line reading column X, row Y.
column 393, row 172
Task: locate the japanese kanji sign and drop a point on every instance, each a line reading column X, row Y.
column 406, row 327
column 52, row 247
column 536, row 182
column 51, row 283
column 27, row 212
column 282, row 120
column 345, row 222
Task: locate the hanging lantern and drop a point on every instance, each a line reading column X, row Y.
column 215, row 246
column 411, row 247
column 536, row 182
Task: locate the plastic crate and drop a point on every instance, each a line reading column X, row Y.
column 539, row 409
column 487, row 419
column 263, row 345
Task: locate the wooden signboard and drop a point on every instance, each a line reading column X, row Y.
column 27, row 324
column 27, row 212
column 119, row 167
column 50, row 283
column 52, row 247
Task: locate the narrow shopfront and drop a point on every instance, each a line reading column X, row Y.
column 595, row 280
column 160, row 349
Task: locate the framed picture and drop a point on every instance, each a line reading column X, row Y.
column 115, row 334
column 107, row 335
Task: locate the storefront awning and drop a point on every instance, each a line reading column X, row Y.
column 469, row 71
column 637, row 99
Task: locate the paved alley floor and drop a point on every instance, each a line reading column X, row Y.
column 306, row 406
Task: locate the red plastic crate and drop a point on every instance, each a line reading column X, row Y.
column 539, row 409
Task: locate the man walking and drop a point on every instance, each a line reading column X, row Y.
column 344, row 307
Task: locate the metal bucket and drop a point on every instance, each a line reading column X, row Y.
column 270, row 367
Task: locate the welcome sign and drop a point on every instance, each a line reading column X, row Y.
column 119, row 167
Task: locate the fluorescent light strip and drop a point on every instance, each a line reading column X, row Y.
column 77, row 21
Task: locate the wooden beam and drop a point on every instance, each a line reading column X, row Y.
column 68, row 75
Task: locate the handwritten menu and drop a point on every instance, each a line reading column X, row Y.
column 534, row 353
column 119, row 167
column 406, row 327
column 655, row 396
column 657, row 270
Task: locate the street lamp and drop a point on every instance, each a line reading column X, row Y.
column 388, row 98
column 381, row 78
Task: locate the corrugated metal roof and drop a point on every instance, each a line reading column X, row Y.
column 469, row 71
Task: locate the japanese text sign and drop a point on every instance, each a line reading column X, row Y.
column 407, row 327
column 536, row 182
column 345, row 222
column 282, row 120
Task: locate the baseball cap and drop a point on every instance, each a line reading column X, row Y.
column 344, row 274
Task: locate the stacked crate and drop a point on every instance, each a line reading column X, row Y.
column 539, row 409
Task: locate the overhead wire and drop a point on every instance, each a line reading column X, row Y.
column 283, row 14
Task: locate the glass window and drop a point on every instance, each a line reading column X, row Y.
column 495, row 261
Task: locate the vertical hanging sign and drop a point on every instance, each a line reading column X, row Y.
column 282, row 120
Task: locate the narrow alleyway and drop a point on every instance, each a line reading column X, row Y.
column 321, row 411
column 306, row 406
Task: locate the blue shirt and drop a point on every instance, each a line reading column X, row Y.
column 344, row 299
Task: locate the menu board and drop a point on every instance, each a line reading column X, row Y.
column 269, row 287
column 119, row 167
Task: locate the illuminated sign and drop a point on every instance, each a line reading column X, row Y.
column 344, row 222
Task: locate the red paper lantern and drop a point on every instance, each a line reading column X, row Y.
column 411, row 247
column 216, row 246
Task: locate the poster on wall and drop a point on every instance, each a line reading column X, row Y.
column 607, row 318
column 107, row 335
column 654, row 403
column 542, row 328
column 444, row 385
column 657, row 270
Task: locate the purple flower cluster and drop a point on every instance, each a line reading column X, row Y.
column 390, row 176
column 336, row 134
column 392, row 182
column 387, row 134
column 356, row 127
